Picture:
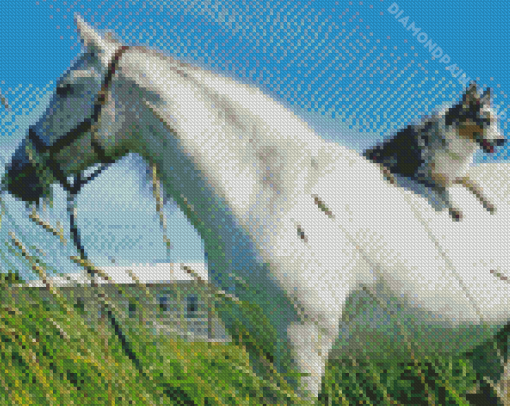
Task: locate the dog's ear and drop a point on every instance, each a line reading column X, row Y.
column 471, row 95
column 485, row 100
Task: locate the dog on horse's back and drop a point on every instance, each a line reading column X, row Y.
column 437, row 152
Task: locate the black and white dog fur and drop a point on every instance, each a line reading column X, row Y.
column 438, row 151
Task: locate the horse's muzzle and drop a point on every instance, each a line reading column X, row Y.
column 21, row 178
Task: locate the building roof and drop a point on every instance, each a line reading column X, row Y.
column 146, row 274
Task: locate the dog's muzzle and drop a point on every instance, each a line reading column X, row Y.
column 489, row 146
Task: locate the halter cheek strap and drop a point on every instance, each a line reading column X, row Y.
column 90, row 124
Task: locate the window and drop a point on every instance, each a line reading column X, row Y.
column 192, row 306
column 163, row 303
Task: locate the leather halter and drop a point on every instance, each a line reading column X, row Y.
column 89, row 124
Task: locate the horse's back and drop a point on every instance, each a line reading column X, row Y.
column 442, row 275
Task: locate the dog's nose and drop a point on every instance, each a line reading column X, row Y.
column 500, row 142
column 21, row 178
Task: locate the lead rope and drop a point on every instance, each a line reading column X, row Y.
column 72, row 193
column 75, row 236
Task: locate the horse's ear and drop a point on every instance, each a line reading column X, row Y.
column 94, row 43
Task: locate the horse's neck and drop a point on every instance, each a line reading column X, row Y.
column 251, row 151
column 233, row 159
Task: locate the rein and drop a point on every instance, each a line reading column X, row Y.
column 89, row 124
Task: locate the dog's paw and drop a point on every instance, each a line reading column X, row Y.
column 389, row 176
column 455, row 214
column 489, row 207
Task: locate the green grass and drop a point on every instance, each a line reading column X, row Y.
column 50, row 357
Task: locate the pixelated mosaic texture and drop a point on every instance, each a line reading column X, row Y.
column 280, row 162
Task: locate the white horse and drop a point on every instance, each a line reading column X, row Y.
column 340, row 261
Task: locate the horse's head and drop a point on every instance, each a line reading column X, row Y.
column 72, row 133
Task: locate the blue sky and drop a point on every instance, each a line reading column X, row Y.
column 353, row 70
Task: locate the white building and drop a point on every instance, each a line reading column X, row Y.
column 164, row 297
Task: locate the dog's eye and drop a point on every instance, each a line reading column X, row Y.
column 484, row 121
column 64, row 90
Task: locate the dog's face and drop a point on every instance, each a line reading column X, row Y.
column 475, row 120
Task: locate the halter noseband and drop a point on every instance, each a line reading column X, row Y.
column 89, row 124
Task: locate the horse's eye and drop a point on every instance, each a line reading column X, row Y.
column 64, row 90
